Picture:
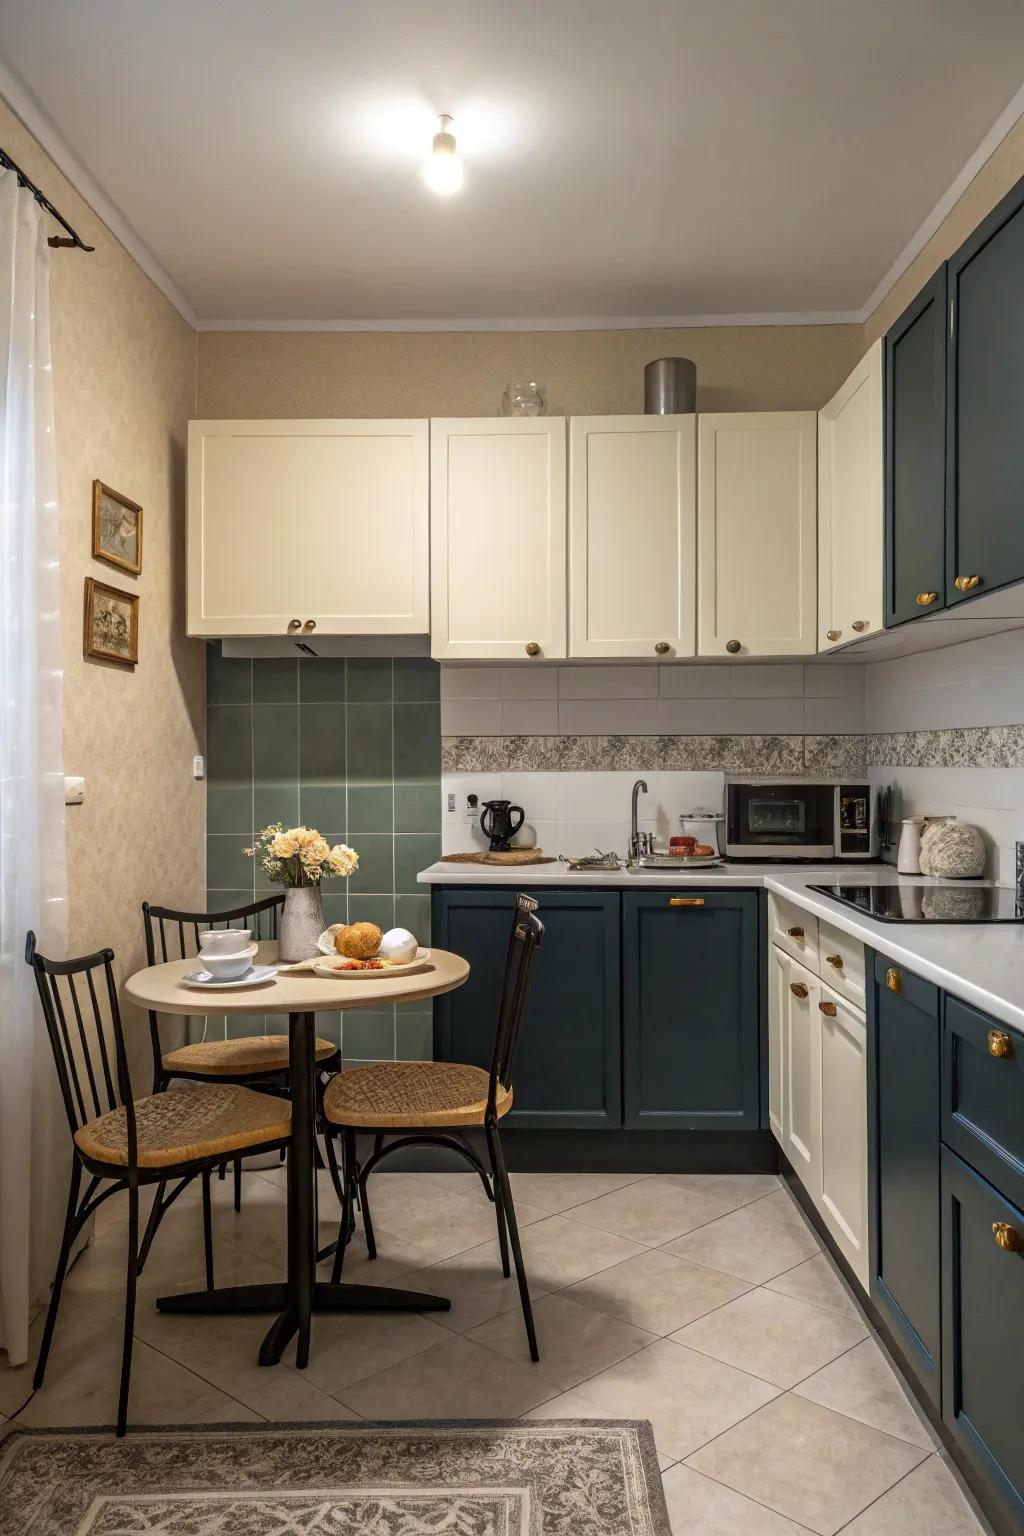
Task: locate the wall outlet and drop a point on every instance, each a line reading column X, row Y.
column 198, row 767
column 74, row 790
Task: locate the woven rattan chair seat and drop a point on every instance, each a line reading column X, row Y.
column 205, row 1120
column 238, row 1058
column 410, row 1093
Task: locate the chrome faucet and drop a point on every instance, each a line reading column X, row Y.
column 636, row 844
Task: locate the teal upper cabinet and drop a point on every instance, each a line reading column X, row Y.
column 985, row 386
column 915, row 431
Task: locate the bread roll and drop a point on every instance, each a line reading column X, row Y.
column 359, row 941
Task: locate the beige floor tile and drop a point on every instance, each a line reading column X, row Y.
column 396, row 1257
column 653, row 1211
column 688, row 1398
column 781, row 1206
column 776, row 1337
column 456, row 1380
column 348, row 1347
column 228, row 1412
column 929, row 1500
column 558, row 1251
column 733, row 1189
column 749, row 1243
column 814, row 1466
column 320, row 1409
column 698, row 1506
column 558, row 1192
column 818, row 1281
column 475, row 1286
column 437, row 1223
column 658, row 1291
column 80, row 1328
column 575, row 1342
column 863, row 1385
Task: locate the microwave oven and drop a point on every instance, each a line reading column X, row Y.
column 769, row 818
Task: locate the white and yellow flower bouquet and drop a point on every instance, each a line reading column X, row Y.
column 300, row 856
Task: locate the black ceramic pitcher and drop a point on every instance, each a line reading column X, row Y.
column 498, row 821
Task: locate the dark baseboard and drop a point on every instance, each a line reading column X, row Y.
column 614, row 1152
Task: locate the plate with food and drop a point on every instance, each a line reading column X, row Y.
column 349, row 969
column 361, row 949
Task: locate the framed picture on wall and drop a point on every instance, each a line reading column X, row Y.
column 111, row 623
column 116, row 528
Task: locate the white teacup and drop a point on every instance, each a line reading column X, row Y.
column 227, row 967
column 224, row 941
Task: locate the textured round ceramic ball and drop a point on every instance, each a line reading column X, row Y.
column 359, row 941
column 952, row 850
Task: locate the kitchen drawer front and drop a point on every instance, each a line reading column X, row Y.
column 794, row 930
column 983, row 1333
column 983, row 1095
column 842, row 963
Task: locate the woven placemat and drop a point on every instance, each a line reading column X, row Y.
column 511, row 856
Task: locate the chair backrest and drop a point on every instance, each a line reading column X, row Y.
column 83, row 1021
column 525, row 938
column 174, row 935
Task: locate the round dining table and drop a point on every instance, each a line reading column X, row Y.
column 301, row 995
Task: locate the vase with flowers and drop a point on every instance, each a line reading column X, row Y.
column 300, row 859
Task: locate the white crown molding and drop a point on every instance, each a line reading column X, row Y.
column 572, row 323
column 1006, row 121
column 44, row 130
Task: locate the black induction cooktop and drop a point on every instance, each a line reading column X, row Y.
column 911, row 902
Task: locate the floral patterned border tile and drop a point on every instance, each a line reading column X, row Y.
column 835, row 754
column 973, row 746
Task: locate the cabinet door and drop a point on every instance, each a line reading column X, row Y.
column 915, row 476
column 567, row 1067
column 983, row 1332
column 632, row 535
column 985, row 383
column 757, row 534
column 903, row 1162
column 801, row 1092
column 850, row 507
column 308, row 526
column 778, row 1003
column 497, row 538
column 690, row 1010
column 842, row 1193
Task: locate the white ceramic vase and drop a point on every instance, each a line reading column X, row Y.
column 302, row 923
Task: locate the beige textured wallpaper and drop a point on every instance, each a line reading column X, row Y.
column 462, row 373
column 124, row 367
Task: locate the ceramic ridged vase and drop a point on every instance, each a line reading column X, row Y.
column 302, row 923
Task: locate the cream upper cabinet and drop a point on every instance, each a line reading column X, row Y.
column 632, row 535
column 302, row 527
column 497, row 538
column 756, row 534
column 850, row 507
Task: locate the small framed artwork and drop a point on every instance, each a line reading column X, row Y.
column 111, row 623
column 116, row 528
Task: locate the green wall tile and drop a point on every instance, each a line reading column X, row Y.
column 376, row 863
column 371, row 909
column 368, row 1035
column 227, row 867
column 228, row 679
column 229, row 808
column 418, row 806
column 413, row 852
column 335, row 900
column 229, row 744
column 371, row 808
column 369, row 680
column 275, row 680
column 275, row 744
column 322, row 681
column 323, row 806
column 370, row 744
column 272, row 803
column 416, row 677
column 226, row 900
column 414, row 1037
column 413, row 912
column 322, row 743
column 417, row 742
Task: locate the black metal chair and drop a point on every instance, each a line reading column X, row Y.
column 432, row 1103
column 255, row 1060
column 132, row 1142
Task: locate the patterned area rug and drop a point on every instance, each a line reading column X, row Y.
column 502, row 1478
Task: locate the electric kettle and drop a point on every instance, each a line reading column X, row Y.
column 498, row 821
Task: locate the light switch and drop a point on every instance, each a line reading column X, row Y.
column 74, row 790
column 198, row 767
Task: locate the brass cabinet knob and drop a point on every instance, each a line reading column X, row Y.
column 924, row 599
column 1007, row 1237
column 836, row 960
column 294, row 623
column 686, row 901
column 859, row 625
column 795, row 933
column 967, row 583
column 532, row 648
column 733, row 647
column 832, row 634
column 798, row 989
column 828, row 1009
column 999, row 1043
column 662, row 648
column 894, row 979
column 309, row 626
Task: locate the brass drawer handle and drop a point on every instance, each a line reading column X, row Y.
column 662, row 648
column 309, row 625
column 836, row 960
column 1007, row 1237
column 859, row 625
column 294, row 624
column 828, row 1009
column 924, row 599
column 795, row 933
column 832, row 634
column 999, row 1043
column 686, row 901
column 532, row 648
column 894, row 979
column 967, row 583
column 798, row 989
column 733, row 647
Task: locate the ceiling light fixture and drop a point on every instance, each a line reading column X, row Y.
column 443, row 171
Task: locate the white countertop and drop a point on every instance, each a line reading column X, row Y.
column 981, row 963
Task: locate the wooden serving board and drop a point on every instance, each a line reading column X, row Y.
column 513, row 856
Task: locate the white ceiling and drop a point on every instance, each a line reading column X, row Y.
column 626, row 160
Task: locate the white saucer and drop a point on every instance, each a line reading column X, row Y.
column 255, row 976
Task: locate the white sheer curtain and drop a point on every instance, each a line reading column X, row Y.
column 33, row 885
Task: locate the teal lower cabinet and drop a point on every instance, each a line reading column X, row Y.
column 983, row 1334
column 691, row 1009
column 903, row 1163
column 568, row 1063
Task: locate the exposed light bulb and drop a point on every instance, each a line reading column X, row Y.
column 443, row 171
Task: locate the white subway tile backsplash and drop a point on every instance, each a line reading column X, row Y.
column 783, row 680
column 685, row 681
column 608, row 717
column 528, row 682
column 611, row 682
column 694, row 717
column 529, row 717
column 834, row 717
column 753, row 716
column 537, row 793
column 470, row 717
column 469, row 682
column 834, row 680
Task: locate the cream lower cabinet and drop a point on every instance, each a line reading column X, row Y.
column 817, row 1077
column 632, row 536
column 302, row 528
column 497, row 538
column 850, row 507
column 757, row 534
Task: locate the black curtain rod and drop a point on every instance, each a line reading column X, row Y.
column 72, row 238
